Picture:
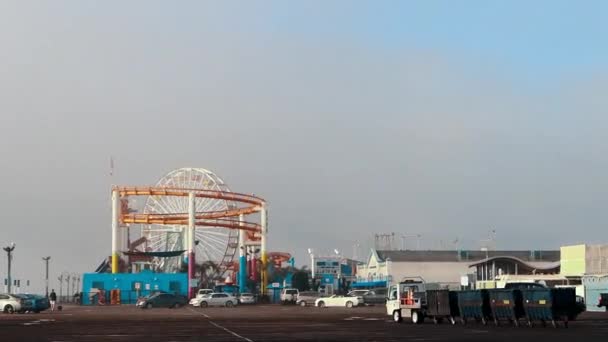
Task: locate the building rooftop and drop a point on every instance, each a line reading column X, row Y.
column 468, row 255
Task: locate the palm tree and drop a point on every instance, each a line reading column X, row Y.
column 207, row 271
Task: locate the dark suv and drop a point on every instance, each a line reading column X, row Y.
column 603, row 302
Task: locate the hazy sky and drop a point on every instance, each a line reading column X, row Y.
column 439, row 118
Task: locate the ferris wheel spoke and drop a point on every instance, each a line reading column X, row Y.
column 208, row 245
column 214, row 242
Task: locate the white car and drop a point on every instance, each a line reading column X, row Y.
column 337, row 301
column 289, row 296
column 216, row 299
column 200, row 294
column 246, row 298
column 10, row 303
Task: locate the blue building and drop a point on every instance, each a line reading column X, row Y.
column 333, row 274
column 132, row 285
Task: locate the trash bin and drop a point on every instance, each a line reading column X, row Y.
column 442, row 304
column 549, row 305
column 506, row 304
column 474, row 304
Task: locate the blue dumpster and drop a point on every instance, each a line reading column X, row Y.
column 506, row 304
column 550, row 305
column 474, row 304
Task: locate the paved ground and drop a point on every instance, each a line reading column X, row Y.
column 269, row 323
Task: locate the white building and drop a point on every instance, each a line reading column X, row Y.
column 448, row 267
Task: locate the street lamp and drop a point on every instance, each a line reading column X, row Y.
column 9, row 251
column 46, row 278
column 312, row 266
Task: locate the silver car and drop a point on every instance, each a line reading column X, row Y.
column 247, row 298
column 216, row 299
column 10, row 303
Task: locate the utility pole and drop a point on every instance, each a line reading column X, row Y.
column 46, row 278
column 9, row 250
column 60, row 278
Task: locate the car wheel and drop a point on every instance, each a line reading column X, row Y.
column 229, row 304
column 397, row 316
column 321, row 304
column 302, row 303
column 204, row 304
column 9, row 309
column 349, row 304
column 149, row 306
column 177, row 305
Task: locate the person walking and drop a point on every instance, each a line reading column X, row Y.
column 53, row 299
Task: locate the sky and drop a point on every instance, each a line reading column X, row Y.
column 440, row 118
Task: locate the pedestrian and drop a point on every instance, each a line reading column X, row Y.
column 53, row 299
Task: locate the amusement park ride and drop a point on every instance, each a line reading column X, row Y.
column 190, row 215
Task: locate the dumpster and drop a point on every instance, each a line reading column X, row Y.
column 506, row 304
column 474, row 304
column 550, row 305
column 442, row 304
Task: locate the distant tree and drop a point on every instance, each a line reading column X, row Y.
column 301, row 280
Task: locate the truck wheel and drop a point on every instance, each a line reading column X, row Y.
column 397, row 316
column 416, row 317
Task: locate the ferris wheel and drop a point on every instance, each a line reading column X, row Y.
column 212, row 244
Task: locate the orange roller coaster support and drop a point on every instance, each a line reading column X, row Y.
column 232, row 218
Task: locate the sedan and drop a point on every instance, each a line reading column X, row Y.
column 246, row 298
column 216, row 299
column 337, row 301
column 10, row 303
column 162, row 300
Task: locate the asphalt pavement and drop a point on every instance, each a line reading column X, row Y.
column 270, row 323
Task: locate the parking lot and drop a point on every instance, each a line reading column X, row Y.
column 268, row 323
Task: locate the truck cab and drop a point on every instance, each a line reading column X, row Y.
column 407, row 299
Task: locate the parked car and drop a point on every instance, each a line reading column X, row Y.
column 246, row 298
column 41, row 303
column 200, row 293
column 307, row 298
column 337, row 301
column 376, row 296
column 524, row 285
column 28, row 304
column 162, row 300
column 216, row 299
column 289, row 295
column 10, row 303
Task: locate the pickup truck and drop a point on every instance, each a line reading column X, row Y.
column 407, row 299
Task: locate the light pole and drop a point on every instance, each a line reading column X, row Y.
column 60, row 278
column 46, row 277
column 312, row 266
column 9, row 250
